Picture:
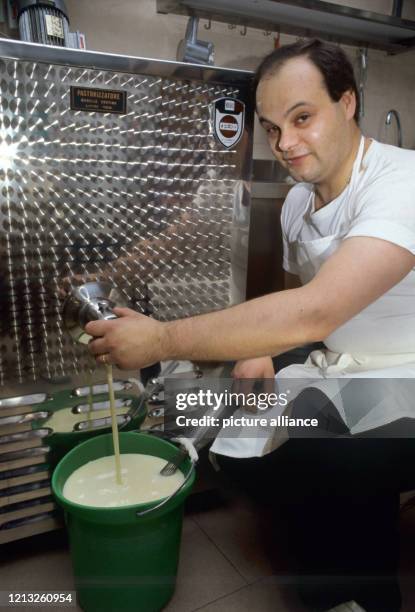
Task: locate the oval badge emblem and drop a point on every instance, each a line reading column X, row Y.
column 228, row 120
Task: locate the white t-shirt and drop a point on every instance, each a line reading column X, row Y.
column 382, row 206
column 367, row 358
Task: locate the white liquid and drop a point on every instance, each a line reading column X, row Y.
column 114, row 425
column 94, row 484
column 64, row 419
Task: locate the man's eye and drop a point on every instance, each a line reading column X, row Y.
column 302, row 118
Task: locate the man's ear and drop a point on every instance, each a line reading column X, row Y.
column 348, row 101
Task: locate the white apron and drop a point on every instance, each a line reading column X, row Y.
column 363, row 404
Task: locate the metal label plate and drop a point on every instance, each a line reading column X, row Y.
column 98, row 100
column 54, row 26
column 228, row 120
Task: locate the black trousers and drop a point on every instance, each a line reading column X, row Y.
column 337, row 498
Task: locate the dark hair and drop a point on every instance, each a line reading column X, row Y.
column 332, row 62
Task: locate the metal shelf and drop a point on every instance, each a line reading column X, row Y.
column 304, row 18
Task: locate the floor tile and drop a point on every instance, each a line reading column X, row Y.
column 265, row 595
column 242, row 531
column 44, row 567
column 204, row 573
column 41, row 563
column 225, row 564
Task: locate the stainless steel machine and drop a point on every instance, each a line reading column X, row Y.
column 129, row 171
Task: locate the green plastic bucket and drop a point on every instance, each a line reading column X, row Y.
column 123, row 562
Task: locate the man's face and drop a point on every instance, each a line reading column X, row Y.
column 307, row 131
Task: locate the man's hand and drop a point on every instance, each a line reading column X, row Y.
column 247, row 371
column 132, row 341
column 260, row 367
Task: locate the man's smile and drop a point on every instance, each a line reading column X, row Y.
column 296, row 160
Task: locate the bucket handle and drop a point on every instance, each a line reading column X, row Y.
column 193, row 459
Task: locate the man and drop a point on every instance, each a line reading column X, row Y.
column 349, row 256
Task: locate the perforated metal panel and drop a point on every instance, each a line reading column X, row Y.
column 148, row 200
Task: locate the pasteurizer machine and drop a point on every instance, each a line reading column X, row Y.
column 125, row 172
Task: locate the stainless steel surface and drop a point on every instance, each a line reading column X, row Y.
column 89, row 302
column 121, row 419
column 156, row 413
column 18, row 437
column 24, row 512
column 394, row 113
column 22, row 418
column 119, row 385
column 16, row 495
column 26, row 456
column 64, row 414
column 15, row 478
column 304, row 18
column 24, row 400
column 94, row 60
column 119, row 403
column 26, row 503
column 147, row 201
column 156, row 399
column 26, row 527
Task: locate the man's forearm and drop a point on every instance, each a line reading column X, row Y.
column 269, row 325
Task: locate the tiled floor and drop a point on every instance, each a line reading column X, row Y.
column 226, row 564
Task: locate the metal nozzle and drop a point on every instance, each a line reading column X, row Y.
column 89, row 302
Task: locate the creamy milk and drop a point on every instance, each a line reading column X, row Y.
column 64, row 420
column 114, row 425
column 94, row 484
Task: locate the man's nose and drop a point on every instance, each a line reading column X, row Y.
column 288, row 140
